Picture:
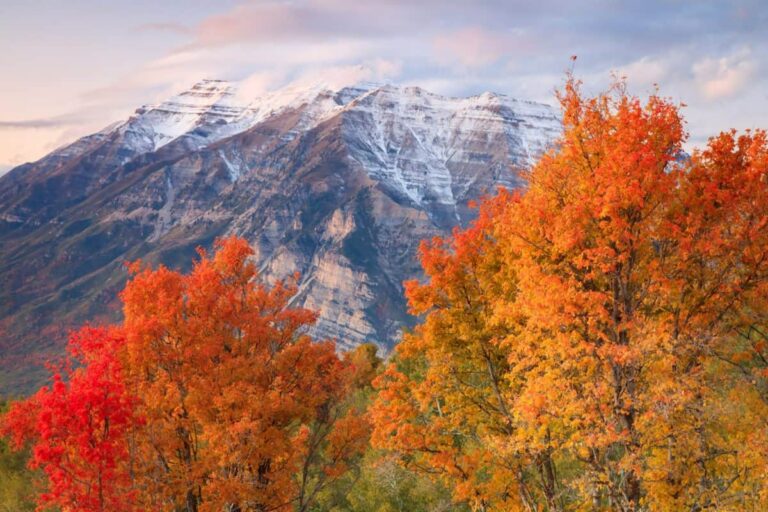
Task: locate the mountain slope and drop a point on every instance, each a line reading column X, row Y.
column 337, row 184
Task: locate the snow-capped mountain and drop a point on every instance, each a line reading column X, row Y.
column 337, row 183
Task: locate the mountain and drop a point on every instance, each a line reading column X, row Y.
column 338, row 184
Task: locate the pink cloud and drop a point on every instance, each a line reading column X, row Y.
column 726, row 76
column 249, row 22
column 474, row 47
column 278, row 21
column 175, row 28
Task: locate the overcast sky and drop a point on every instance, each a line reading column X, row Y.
column 70, row 67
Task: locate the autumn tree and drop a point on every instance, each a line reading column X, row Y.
column 375, row 482
column 17, row 482
column 78, row 428
column 243, row 411
column 209, row 397
column 444, row 402
column 338, row 439
column 591, row 343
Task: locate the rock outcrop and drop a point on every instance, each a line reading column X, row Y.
column 338, row 185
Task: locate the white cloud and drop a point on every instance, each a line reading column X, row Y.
column 726, row 76
column 257, row 84
column 378, row 70
column 646, row 71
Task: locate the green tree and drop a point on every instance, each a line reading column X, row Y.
column 16, row 481
column 377, row 483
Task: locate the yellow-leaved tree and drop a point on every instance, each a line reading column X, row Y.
column 597, row 342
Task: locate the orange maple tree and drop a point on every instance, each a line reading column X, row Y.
column 598, row 342
column 243, row 410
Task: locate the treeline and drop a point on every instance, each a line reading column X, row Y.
column 598, row 342
column 209, row 396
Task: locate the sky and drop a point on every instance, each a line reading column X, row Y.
column 71, row 67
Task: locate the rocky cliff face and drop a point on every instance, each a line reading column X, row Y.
column 337, row 184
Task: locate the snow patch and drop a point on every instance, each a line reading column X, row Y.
column 233, row 170
column 416, row 141
column 410, row 139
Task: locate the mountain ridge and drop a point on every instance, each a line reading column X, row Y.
column 337, row 185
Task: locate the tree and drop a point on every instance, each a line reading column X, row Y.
column 384, row 486
column 209, row 397
column 16, row 480
column 444, row 402
column 337, row 439
column 79, row 426
column 244, row 412
column 375, row 482
column 579, row 340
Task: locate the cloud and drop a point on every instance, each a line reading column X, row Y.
column 726, row 76
column 338, row 76
column 259, row 83
column 333, row 77
column 646, row 71
column 173, row 28
column 474, row 47
column 270, row 22
column 51, row 122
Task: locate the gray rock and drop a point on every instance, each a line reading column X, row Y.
column 337, row 185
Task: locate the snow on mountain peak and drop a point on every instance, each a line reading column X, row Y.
column 200, row 98
column 430, row 148
column 213, row 109
column 206, row 102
